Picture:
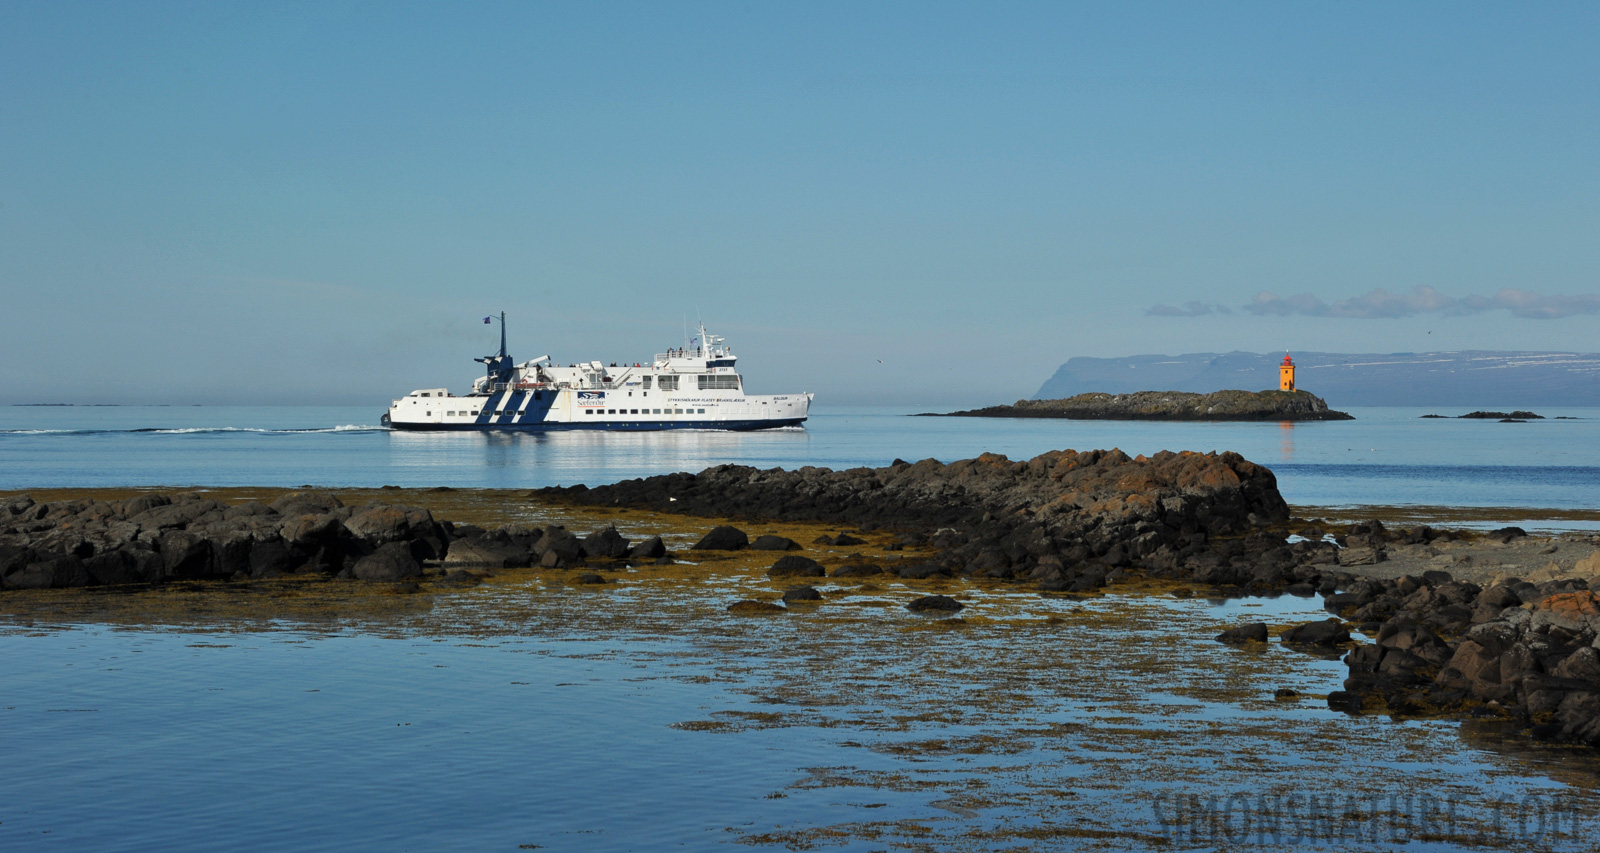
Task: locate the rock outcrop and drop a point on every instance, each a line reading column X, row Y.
column 1171, row 406
column 1515, row 649
column 156, row 538
column 153, row 539
column 1066, row 519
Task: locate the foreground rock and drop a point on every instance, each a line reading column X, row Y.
column 153, row 539
column 1510, row 648
column 157, row 538
column 1172, row 406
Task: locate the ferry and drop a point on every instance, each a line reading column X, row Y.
column 696, row 386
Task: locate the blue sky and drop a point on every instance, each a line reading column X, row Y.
column 317, row 203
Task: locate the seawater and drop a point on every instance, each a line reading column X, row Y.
column 528, row 715
column 1386, row 456
column 531, row 716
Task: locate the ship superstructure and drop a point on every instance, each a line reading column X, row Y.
column 697, row 386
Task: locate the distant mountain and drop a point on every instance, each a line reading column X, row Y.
column 1465, row 378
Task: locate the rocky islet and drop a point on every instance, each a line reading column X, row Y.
column 1171, row 406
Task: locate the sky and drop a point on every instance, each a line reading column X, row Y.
column 883, row 203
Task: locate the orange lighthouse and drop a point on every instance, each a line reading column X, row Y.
column 1286, row 374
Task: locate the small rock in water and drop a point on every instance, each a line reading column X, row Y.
column 1255, row 632
column 923, row 571
column 650, row 549
column 590, row 578
column 1340, row 700
column 460, row 577
column 934, row 604
column 749, row 607
column 1285, row 693
column 796, row 566
column 802, row 593
column 723, row 538
column 774, row 543
column 1328, row 632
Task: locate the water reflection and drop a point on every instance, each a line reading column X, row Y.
column 849, row 722
column 1286, row 441
column 515, row 458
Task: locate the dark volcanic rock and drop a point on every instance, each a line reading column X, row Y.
column 749, row 607
column 923, row 571
column 1255, row 632
column 774, row 543
column 795, row 566
column 558, row 545
column 607, row 543
column 1449, row 646
column 460, row 578
column 590, row 578
column 934, row 604
column 154, row 538
column 723, row 538
column 1080, row 506
column 858, row 570
column 391, row 562
column 650, row 549
column 1328, row 632
column 487, row 552
column 802, row 593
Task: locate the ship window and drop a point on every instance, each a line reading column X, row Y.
column 647, row 383
column 499, row 411
column 474, row 412
column 538, row 395
column 702, row 411
column 719, row 382
column 668, row 383
column 634, row 412
column 655, row 411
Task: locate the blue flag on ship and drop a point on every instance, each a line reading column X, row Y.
column 486, row 320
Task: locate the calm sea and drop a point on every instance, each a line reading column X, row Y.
column 524, row 714
column 1385, row 456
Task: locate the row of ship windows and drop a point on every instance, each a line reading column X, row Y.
column 644, row 411
column 706, row 382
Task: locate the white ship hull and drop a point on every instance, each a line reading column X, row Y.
column 607, row 410
column 690, row 388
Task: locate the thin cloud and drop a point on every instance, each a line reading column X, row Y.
column 1188, row 309
column 1384, row 304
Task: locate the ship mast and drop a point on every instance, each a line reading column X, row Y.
column 499, row 365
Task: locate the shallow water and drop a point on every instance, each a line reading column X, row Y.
column 642, row 716
column 1385, row 457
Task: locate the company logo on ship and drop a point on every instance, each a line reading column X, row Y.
column 591, row 398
